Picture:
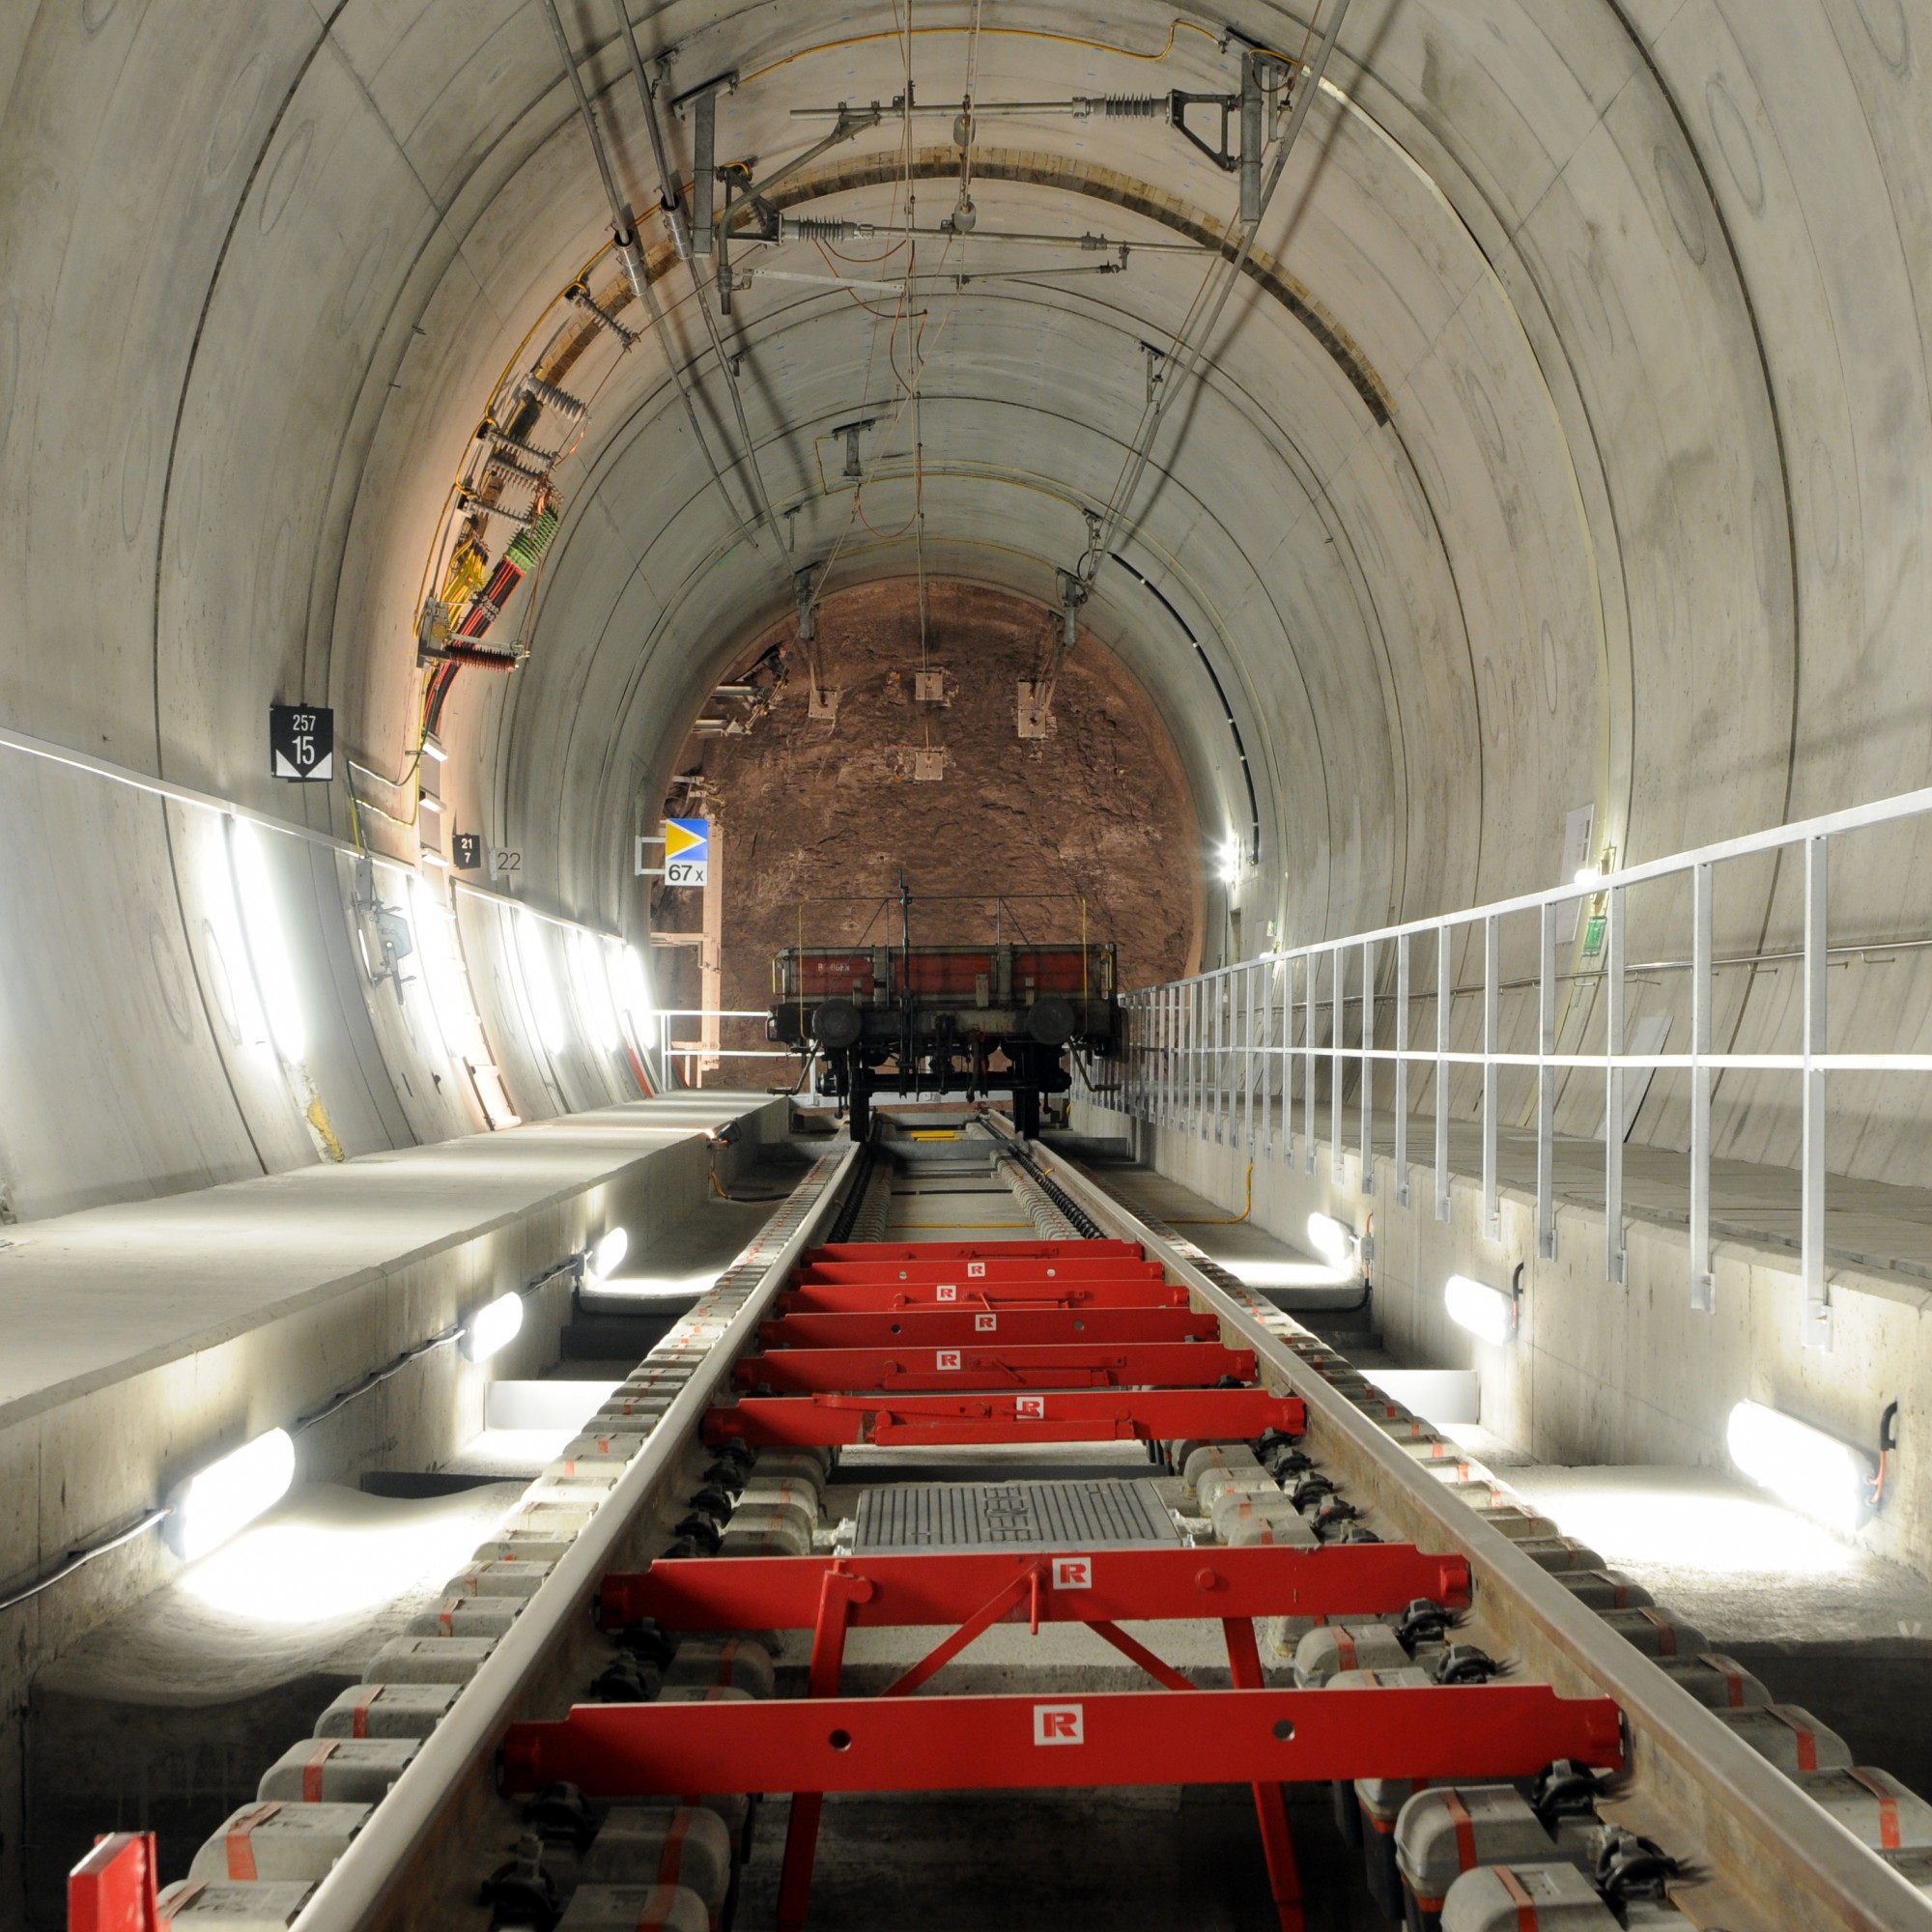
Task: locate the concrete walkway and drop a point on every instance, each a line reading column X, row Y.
column 1868, row 1224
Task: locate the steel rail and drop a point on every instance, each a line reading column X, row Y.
column 1695, row 1785
column 362, row 1886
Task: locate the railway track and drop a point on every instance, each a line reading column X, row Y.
column 927, row 1330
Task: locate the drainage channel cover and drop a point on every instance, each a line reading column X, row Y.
column 1012, row 1515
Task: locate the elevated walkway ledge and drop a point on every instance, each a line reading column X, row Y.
column 144, row 1340
column 1619, row 1373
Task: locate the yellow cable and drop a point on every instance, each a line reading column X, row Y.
column 1233, row 1220
column 1011, row 32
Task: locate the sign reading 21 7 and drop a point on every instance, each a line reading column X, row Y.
column 687, row 851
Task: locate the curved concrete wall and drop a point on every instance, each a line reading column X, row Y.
column 1572, row 454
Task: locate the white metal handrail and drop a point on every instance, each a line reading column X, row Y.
column 1174, row 1066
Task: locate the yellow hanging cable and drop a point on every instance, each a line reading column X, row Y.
column 1232, row 1220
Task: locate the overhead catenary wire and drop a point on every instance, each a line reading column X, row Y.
column 1192, row 342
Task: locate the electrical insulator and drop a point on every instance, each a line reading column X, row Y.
column 567, row 406
column 1119, row 106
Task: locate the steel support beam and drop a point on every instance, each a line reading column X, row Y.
column 1054, row 1416
column 1466, row 1732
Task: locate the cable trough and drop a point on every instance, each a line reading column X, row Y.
column 740, row 1591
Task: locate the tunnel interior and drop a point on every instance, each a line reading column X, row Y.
column 1201, row 483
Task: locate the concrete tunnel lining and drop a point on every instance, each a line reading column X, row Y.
column 1615, row 499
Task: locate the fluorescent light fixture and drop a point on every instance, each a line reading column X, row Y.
column 1486, row 1313
column 434, row 927
column 1334, row 1242
column 429, row 802
column 493, row 1327
column 1815, row 1473
column 533, row 948
column 432, row 747
column 269, row 963
column 1231, row 860
column 593, row 991
column 607, row 1252
column 230, row 1495
column 1588, row 876
column 629, row 985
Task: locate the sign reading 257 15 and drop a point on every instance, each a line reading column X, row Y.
column 687, row 851
column 301, row 742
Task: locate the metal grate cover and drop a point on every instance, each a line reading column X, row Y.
column 1009, row 1516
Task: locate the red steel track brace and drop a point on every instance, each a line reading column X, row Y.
column 1081, row 1270
column 810, row 1297
column 1258, row 1737
column 114, row 1888
column 1067, row 1365
column 943, row 1328
column 972, row 1591
column 898, row 1253
column 1155, row 1584
column 1052, row 1415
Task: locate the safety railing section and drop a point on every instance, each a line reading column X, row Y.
column 1232, row 1055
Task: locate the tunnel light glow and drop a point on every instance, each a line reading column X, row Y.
column 1588, row 876
column 607, row 1255
column 1334, row 1242
column 493, row 1327
column 540, row 981
column 270, row 966
column 1488, row 1313
column 442, row 972
column 593, row 992
column 334, row 1552
column 1815, row 1473
column 1231, row 860
column 630, row 986
column 230, row 1495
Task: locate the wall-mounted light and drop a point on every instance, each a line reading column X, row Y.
column 493, row 1327
column 264, row 941
column 631, row 987
column 593, row 991
column 1488, row 1313
column 229, row 1494
column 606, row 1253
column 545, row 1008
column 1588, row 876
column 1231, row 860
column 1814, row 1473
column 1332, row 1240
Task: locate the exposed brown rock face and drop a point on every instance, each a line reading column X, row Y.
column 814, row 810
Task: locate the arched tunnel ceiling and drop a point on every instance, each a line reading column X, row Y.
column 1569, row 450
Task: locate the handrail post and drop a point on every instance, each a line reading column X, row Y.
column 1311, row 969
column 1703, row 1287
column 1401, row 1070
column 1492, row 1215
column 1817, row 1326
column 1366, row 1096
column 1288, row 1061
column 1613, row 1090
column 1442, row 994
column 1546, row 1086
column 1251, row 975
column 1338, row 979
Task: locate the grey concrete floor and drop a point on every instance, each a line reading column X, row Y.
column 1159, row 1860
